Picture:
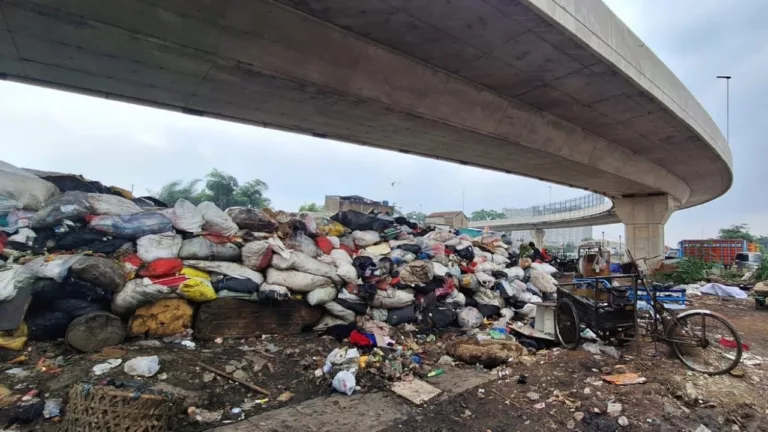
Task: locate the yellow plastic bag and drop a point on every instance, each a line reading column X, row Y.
column 195, row 273
column 14, row 339
column 197, row 290
column 332, row 228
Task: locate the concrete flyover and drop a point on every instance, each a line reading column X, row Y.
column 576, row 212
column 559, row 90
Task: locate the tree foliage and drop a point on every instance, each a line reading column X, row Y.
column 416, row 216
column 483, row 215
column 220, row 188
column 311, row 207
column 740, row 231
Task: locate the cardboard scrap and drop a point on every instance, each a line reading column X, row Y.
column 416, row 391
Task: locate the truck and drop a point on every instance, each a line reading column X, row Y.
column 718, row 251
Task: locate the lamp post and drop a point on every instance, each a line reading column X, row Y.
column 727, row 79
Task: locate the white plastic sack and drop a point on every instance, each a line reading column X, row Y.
column 112, row 205
column 515, row 273
column 215, row 220
column 485, row 279
column 340, row 312
column 257, row 255
column 487, row 267
column 344, row 382
column 365, row 238
column 186, row 217
column 7, row 278
column 392, row 299
column 439, row 269
column 544, row 267
column 32, row 192
column 334, row 241
column 137, row 293
column 379, row 314
column 201, row 248
column 528, row 311
column 155, row 246
column 321, row 296
column 499, row 259
column 470, row 318
column 142, row 366
column 296, row 281
column 25, row 235
column 347, row 296
column 303, row 263
column 227, row 268
column 542, row 281
column 456, row 297
column 281, row 292
column 56, row 269
column 487, row 297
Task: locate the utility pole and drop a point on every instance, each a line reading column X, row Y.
column 727, row 79
column 462, row 202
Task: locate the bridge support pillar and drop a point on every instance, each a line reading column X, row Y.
column 644, row 219
column 538, row 237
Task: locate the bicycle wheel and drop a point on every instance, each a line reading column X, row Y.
column 567, row 325
column 705, row 342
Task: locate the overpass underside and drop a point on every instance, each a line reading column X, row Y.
column 536, row 88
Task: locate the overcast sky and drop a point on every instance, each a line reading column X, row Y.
column 143, row 148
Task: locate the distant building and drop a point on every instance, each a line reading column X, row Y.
column 453, row 219
column 336, row 203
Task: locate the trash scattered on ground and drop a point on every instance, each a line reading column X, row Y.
column 624, row 379
column 105, row 367
column 416, row 391
column 142, row 366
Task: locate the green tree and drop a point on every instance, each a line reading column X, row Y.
column 740, row 231
column 482, row 215
column 177, row 189
column 416, row 216
column 311, row 207
column 220, row 188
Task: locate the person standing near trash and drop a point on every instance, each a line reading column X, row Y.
column 536, row 253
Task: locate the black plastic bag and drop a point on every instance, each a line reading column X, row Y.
column 387, row 267
column 356, row 307
column 77, row 308
column 357, row 221
column 441, row 316
column 366, row 291
column 108, row 247
column 246, row 286
column 45, row 292
column 44, row 325
column 412, row 248
column 428, row 287
column 67, row 183
column 401, row 315
column 488, row 310
column 467, row 254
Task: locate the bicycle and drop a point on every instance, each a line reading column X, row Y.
column 703, row 340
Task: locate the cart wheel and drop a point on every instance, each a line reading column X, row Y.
column 567, row 325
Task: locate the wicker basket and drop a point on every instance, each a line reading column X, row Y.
column 106, row 409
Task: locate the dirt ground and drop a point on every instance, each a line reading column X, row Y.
column 567, row 383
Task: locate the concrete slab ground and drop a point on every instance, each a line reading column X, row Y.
column 368, row 412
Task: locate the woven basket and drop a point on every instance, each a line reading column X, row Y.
column 106, row 409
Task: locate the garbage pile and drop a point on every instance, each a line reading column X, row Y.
column 143, row 265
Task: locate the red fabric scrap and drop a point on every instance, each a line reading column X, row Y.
column 447, row 288
column 169, row 281
column 133, row 260
column 218, row 239
column 348, row 250
column 359, row 340
column 324, row 244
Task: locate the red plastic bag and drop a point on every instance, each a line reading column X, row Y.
column 161, row 267
column 133, row 260
column 324, row 244
column 169, row 281
column 727, row 343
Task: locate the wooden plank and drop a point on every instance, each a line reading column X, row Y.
column 416, row 391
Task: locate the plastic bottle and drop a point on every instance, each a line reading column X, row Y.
column 436, row 372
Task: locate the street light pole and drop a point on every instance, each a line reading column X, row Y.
column 727, row 79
